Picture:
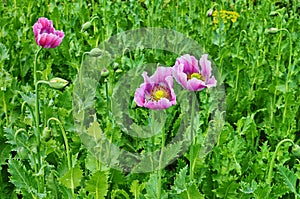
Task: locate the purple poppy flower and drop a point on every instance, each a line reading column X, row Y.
column 45, row 34
column 157, row 91
column 187, row 73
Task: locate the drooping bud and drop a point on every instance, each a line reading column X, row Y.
column 86, row 26
column 95, row 52
column 296, row 150
column 209, row 12
column 272, row 30
column 58, row 83
column 46, row 134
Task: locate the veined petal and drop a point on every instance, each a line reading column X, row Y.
column 163, row 103
column 161, row 73
column 212, row 82
column 195, row 85
column 205, row 66
column 179, row 75
column 45, row 34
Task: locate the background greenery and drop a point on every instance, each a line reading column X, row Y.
column 259, row 71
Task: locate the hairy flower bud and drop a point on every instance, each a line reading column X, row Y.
column 58, row 83
column 272, row 30
column 296, row 150
column 46, row 134
column 86, row 26
column 95, row 52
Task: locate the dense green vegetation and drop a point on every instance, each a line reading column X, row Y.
column 256, row 153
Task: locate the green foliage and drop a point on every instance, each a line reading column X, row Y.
column 98, row 184
column 258, row 71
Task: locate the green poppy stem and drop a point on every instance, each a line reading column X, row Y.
column 66, row 145
column 269, row 178
column 159, row 174
column 192, row 141
column 37, row 118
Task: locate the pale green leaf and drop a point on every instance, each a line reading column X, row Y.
column 72, row 178
column 98, row 184
column 95, row 131
column 289, row 178
column 21, row 178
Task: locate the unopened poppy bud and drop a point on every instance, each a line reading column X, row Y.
column 115, row 65
column 119, row 70
column 46, row 134
column 104, row 72
column 272, row 30
column 86, row 26
column 209, row 12
column 58, row 83
column 296, row 150
column 96, row 52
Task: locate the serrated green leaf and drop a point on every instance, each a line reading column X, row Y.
column 289, row 178
column 151, row 161
column 136, row 188
column 180, row 183
column 72, row 178
column 4, row 152
column 21, row 178
column 95, row 131
column 98, row 184
column 152, row 188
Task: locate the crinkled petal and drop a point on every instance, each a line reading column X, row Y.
column 179, row 75
column 190, row 64
column 195, row 85
column 45, row 34
column 161, row 73
column 205, row 67
column 139, row 96
column 212, row 82
column 161, row 77
column 163, row 103
column 170, row 84
column 48, row 40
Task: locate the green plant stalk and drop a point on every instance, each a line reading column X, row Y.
column 276, row 71
column 5, row 108
column 238, row 67
column 67, row 147
column 288, row 75
column 37, row 115
column 269, row 178
column 193, row 142
column 159, row 174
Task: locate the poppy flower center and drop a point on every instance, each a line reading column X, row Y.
column 159, row 92
column 195, row 75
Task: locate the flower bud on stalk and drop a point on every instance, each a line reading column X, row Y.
column 95, row 52
column 272, row 30
column 86, row 26
column 58, row 83
column 296, row 150
column 46, row 134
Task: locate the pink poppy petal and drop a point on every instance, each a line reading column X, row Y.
column 212, row 82
column 205, row 66
column 195, row 85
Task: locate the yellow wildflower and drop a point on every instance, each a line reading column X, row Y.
column 225, row 15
